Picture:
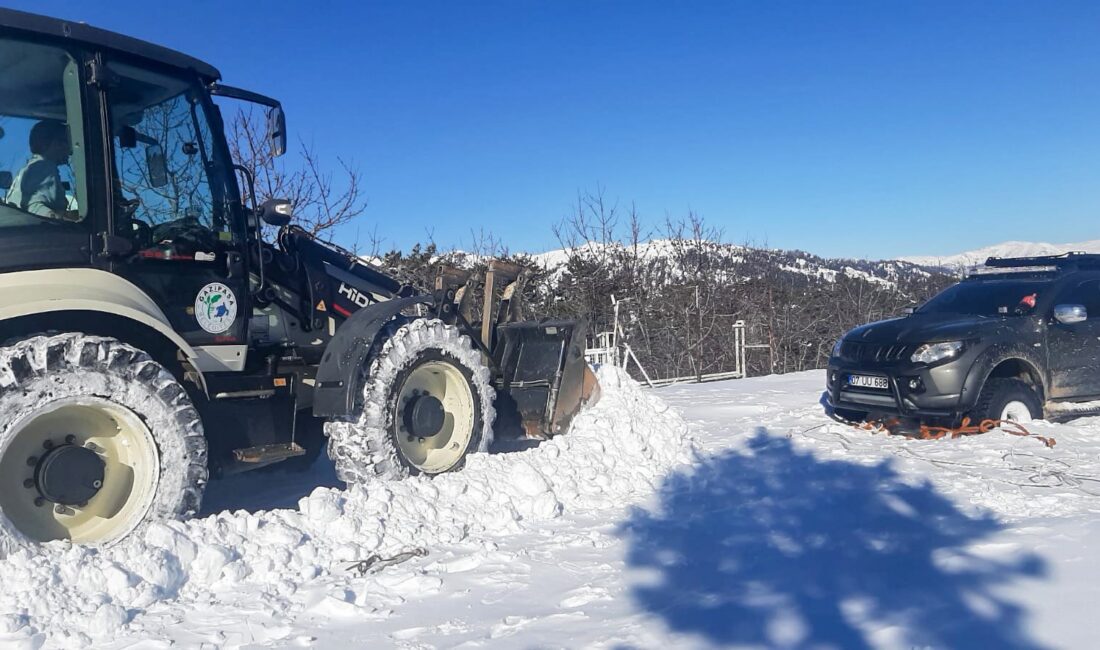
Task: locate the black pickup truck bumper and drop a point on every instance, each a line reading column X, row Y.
column 913, row 391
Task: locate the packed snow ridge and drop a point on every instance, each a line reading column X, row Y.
column 285, row 562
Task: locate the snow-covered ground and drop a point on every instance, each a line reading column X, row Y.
column 725, row 514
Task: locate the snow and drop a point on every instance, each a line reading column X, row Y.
column 716, row 515
column 1004, row 249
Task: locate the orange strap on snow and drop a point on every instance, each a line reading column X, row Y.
column 965, row 428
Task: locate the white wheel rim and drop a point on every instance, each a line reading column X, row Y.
column 131, row 471
column 1016, row 411
column 442, row 451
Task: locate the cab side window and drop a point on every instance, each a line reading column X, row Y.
column 42, row 151
column 166, row 189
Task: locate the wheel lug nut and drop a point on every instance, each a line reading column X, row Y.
column 29, row 483
column 32, row 461
column 48, row 444
column 39, row 501
column 97, row 484
column 70, row 439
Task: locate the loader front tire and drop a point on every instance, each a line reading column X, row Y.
column 427, row 403
column 96, row 441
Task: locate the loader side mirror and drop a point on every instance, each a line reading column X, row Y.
column 276, row 130
column 157, row 165
column 276, row 212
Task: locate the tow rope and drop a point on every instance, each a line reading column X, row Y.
column 965, row 428
column 375, row 563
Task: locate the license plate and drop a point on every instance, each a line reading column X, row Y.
column 866, row 381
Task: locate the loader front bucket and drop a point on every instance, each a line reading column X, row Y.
column 545, row 380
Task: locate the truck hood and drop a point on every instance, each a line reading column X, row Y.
column 929, row 328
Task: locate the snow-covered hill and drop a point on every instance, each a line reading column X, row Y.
column 1004, row 249
column 883, row 272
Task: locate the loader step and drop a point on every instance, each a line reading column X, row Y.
column 266, row 454
column 259, row 393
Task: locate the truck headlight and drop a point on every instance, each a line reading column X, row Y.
column 934, row 352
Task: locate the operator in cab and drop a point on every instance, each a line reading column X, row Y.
column 38, row 188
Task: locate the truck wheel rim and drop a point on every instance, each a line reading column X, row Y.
column 78, row 427
column 1016, row 411
column 440, row 452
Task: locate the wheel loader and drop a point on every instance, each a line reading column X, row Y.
column 152, row 338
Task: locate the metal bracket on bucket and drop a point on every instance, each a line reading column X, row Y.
column 544, row 378
column 540, row 372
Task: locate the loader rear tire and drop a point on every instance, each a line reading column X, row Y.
column 427, row 403
column 96, row 441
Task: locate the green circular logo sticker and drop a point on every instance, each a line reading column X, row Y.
column 216, row 308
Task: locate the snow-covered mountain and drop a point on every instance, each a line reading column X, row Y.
column 748, row 261
column 884, row 272
column 1005, row 249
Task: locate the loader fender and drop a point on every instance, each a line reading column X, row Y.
column 27, row 293
column 346, row 355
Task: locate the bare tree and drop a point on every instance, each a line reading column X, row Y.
column 323, row 200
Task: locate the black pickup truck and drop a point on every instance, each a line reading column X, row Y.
column 1003, row 344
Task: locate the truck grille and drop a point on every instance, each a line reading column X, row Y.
column 874, row 352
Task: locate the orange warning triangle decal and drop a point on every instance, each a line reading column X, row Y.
column 321, row 306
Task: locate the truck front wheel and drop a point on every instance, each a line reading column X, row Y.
column 96, row 440
column 1007, row 399
column 427, row 404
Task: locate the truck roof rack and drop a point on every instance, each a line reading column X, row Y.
column 1065, row 261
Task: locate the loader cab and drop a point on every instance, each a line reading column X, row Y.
column 113, row 156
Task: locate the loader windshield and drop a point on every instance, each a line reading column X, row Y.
column 171, row 180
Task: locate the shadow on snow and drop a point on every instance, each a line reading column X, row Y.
column 770, row 546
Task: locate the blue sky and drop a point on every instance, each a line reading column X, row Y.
column 870, row 129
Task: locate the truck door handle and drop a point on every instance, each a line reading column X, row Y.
column 234, row 267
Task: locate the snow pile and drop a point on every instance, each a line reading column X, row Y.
column 284, row 562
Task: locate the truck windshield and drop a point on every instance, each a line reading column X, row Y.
column 1009, row 297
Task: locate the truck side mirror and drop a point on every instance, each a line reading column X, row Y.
column 276, row 212
column 156, row 165
column 1070, row 314
column 276, row 130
